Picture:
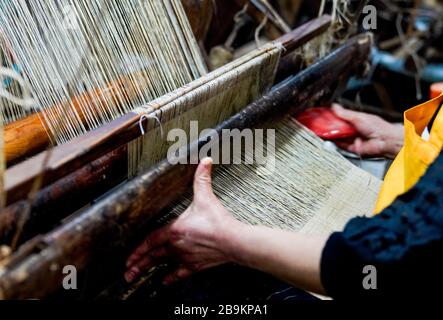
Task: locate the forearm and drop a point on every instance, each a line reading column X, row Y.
column 289, row 256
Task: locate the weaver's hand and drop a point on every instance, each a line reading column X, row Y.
column 198, row 239
column 378, row 137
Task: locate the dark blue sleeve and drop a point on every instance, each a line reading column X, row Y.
column 404, row 244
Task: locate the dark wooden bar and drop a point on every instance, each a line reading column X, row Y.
column 63, row 197
column 36, row 269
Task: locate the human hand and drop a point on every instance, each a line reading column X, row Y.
column 377, row 136
column 198, row 239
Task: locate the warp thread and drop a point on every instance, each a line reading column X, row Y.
column 212, row 99
column 312, row 189
column 107, row 45
column 146, row 117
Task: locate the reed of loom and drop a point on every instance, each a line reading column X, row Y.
column 71, row 156
column 34, row 271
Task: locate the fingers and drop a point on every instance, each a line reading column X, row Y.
column 154, row 240
column 345, row 114
column 356, row 147
column 146, row 263
column 180, row 274
column 203, row 179
column 374, row 147
column 132, row 274
column 185, row 272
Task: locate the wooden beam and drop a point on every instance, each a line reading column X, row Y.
column 62, row 198
column 28, row 136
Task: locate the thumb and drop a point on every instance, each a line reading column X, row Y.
column 203, row 179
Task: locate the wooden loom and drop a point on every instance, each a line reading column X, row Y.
column 95, row 162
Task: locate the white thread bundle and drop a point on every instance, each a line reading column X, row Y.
column 312, row 189
column 66, row 48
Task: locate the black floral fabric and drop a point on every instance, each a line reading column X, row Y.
column 403, row 246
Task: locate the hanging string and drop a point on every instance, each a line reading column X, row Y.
column 146, row 117
column 259, row 30
column 26, row 101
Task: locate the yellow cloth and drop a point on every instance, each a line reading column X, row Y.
column 417, row 154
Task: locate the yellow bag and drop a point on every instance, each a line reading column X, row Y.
column 417, row 154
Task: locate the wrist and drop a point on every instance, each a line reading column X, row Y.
column 395, row 141
column 230, row 240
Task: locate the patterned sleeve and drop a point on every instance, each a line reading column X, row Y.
column 397, row 253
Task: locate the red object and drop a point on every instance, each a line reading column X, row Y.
column 325, row 124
